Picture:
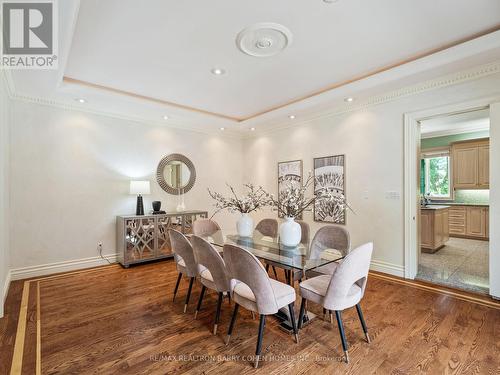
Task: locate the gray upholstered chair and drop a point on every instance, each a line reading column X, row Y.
column 184, row 261
column 206, row 228
column 342, row 290
column 328, row 237
column 267, row 227
column 252, row 288
column 213, row 273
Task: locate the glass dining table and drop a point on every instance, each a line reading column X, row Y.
column 298, row 259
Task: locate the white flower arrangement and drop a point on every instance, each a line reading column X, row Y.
column 255, row 198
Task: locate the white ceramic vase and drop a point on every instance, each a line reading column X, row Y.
column 244, row 225
column 290, row 232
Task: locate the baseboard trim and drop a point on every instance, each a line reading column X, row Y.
column 58, row 267
column 389, row 268
column 5, row 292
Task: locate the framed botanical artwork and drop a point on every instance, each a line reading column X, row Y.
column 289, row 172
column 329, row 176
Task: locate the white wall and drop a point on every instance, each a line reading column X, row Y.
column 495, row 200
column 70, row 174
column 372, row 140
column 4, row 192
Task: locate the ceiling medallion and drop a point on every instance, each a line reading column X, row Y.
column 264, row 39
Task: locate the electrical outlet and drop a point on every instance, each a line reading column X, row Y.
column 99, row 247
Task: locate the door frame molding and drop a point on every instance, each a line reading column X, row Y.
column 411, row 187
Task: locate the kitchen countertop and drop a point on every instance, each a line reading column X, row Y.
column 434, row 207
column 460, row 204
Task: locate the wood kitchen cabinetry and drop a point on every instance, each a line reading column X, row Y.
column 469, row 222
column 471, row 164
column 434, row 228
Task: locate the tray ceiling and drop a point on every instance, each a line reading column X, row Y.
column 165, row 51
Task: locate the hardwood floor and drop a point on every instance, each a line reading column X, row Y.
column 111, row 320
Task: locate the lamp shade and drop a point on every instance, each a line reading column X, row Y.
column 140, row 187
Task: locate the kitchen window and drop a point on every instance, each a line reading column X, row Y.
column 436, row 174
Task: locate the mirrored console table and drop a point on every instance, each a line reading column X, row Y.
column 143, row 238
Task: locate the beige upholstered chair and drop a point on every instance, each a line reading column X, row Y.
column 342, row 290
column 206, row 228
column 267, row 227
column 328, row 237
column 254, row 290
column 184, row 260
column 213, row 273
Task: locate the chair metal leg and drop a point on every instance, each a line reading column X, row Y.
column 177, row 285
column 198, row 307
column 217, row 314
column 291, row 308
column 231, row 325
column 363, row 323
column 302, row 312
column 331, row 316
column 275, row 273
column 188, row 294
column 338, row 314
column 262, row 324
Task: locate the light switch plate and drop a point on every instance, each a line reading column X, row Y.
column 395, row 195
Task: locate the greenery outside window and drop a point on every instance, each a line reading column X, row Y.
column 436, row 174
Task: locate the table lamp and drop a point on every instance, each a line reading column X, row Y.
column 139, row 188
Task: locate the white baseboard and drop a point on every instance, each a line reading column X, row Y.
column 69, row 265
column 389, row 268
column 5, row 292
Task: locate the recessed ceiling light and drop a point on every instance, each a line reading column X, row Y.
column 81, row 100
column 330, row 1
column 222, row 129
column 218, row 71
column 252, row 129
column 291, row 117
column 165, row 117
column 349, row 99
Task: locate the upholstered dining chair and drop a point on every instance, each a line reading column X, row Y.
column 267, row 227
column 328, row 237
column 342, row 290
column 184, row 261
column 253, row 289
column 213, row 274
column 206, row 228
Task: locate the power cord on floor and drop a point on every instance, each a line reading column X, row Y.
column 99, row 247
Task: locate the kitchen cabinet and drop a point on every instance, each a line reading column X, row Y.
column 469, row 222
column 434, row 224
column 484, row 166
column 476, row 222
column 471, row 164
column 457, row 220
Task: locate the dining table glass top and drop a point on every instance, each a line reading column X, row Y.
column 271, row 250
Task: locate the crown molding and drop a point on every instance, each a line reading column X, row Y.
column 429, row 85
column 137, row 119
column 419, row 88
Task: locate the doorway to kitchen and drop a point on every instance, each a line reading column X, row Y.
column 453, row 179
